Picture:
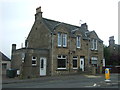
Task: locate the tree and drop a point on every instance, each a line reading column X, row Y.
column 111, row 58
column 107, row 55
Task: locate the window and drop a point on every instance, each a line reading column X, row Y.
column 94, row 60
column 34, row 61
column 75, row 62
column 78, row 42
column 61, row 59
column 94, row 44
column 64, row 40
column 59, row 39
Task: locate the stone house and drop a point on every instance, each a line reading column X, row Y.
column 57, row 48
column 114, row 48
column 114, row 52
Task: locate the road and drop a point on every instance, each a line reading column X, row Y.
column 74, row 81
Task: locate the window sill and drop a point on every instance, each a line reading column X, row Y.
column 75, row 68
column 34, row 65
column 94, row 49
column 61, row 69
column 78, row 48
column 59, row 46
column 64, row 47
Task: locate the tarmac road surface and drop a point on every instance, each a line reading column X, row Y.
column 70, row 81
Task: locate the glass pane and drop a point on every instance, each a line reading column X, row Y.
column 94, row 62
column 78, row 42
column 33, row 57
column 74, row 63
column 81, row 62
column 59, row 39
column 64, row 40
column 61, row 63
column 42, row 63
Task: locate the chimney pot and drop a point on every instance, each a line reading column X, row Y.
column 38, row 10
column 38, row 14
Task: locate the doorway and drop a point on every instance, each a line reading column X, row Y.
column 42, row 66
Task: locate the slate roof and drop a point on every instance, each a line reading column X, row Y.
column 52, row 24
column 96, row 34
column 4, row 57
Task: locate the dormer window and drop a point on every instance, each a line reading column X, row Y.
column 94, row 44
column 62, row 40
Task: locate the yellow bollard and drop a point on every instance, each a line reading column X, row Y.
column 107, row 74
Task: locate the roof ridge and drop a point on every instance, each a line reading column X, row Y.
column 61, row 22
column 4, row 56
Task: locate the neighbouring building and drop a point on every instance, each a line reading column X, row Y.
column 6, row 63
column 114, row 51
column 112, row 56
column 114, row 48
column 57, row 48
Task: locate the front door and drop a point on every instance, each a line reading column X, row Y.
column 82, row 64
column 42, row 66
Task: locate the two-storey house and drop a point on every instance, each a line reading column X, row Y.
column 56, row 48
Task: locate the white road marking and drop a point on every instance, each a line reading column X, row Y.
column 94, row 84
column 92, row 76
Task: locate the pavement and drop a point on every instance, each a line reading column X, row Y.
column 6, row 80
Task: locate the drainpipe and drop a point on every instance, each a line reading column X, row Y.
column 88, row 53
column 52, row 54
column 69, row 54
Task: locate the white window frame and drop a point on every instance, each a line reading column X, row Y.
column 59, row 39
column 94, row 44
column 62, row 58
column 64, row 37
column 75, row 58
column 78, row 42
column 34, row 60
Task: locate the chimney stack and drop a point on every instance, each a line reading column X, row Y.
column 111, row 41
column 84, row 26
column 38, row 14
column 13, row 47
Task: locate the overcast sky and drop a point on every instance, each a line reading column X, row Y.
column 17, row 18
